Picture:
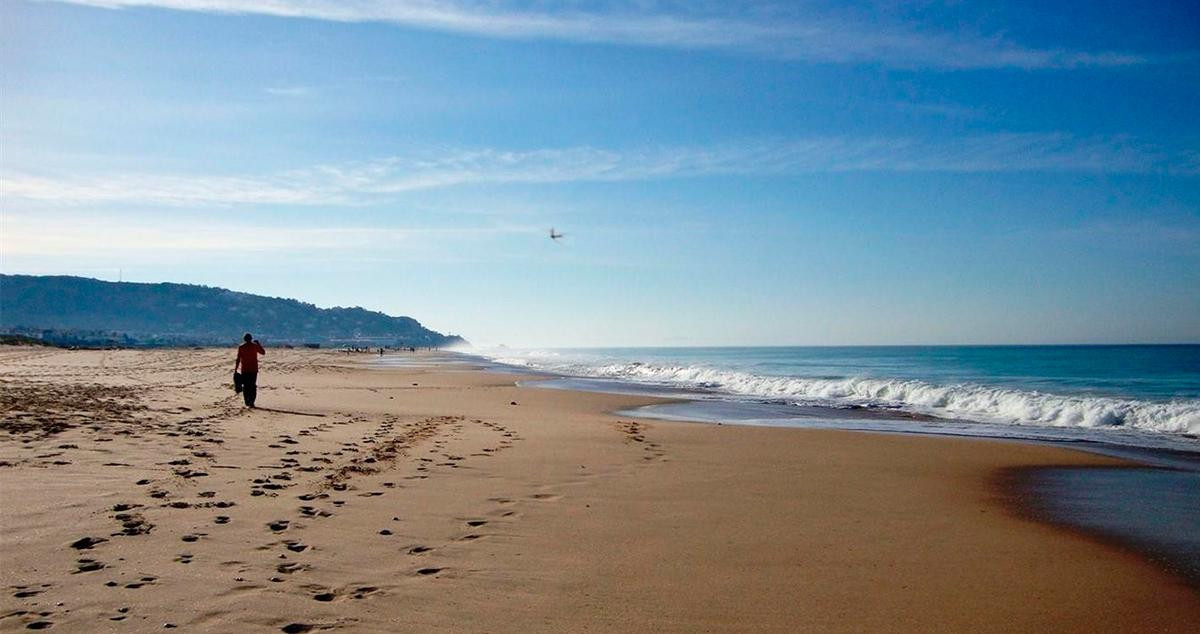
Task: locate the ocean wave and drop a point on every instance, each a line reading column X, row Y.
column 974, row 402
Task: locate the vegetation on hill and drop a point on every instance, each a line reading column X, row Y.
column 62, row 307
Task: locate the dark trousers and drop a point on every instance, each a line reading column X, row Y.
column 249, row 387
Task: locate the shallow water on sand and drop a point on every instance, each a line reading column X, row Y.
column 1154, row 510
column 1106, row 393
column 703, row 406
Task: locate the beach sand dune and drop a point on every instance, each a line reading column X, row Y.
column 138, row 495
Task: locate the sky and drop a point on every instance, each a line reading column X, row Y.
column 726, row 173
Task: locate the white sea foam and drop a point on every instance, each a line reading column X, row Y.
column 980, row 403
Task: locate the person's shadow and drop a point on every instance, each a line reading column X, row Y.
column 288, row 411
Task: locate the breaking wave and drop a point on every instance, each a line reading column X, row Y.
column 964, row 401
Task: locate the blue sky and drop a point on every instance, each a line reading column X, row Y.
column 726, row 173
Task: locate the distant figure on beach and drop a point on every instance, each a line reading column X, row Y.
column 247, row 360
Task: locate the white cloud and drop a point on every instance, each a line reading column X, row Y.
column 289, row 91
column 367, row 182
column 799, row 34
column 77, row 233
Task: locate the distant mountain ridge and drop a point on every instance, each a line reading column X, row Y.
column 82, row 309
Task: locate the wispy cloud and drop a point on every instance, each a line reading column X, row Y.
column 289, row 91
column 940, row 110
column 1178, row 234
column 801, row 33
column 366, row 182
column 66, row 234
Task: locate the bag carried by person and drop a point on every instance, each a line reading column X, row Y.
column 237, row 382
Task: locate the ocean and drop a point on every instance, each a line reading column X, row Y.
column 1135, row 402
column 1134, row 395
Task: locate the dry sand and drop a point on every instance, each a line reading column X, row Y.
column 138, row 495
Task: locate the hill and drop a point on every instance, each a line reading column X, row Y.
column 78, row 310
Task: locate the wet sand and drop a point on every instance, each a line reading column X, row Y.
column 138, row 495
column 1152, row 510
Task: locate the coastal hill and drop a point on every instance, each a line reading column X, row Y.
column 84, row 311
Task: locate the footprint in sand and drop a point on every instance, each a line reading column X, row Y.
column 133, row 524
column 87, row 565
column 363, row 592
column 144, row 581
column 87, row 543
column 309, row 511
column 22, row 593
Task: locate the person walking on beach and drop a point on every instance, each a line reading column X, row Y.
column 247, row 360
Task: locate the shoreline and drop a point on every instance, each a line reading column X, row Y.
column 1029, row 498
column 767, row 386
column 1111, row 518
column 1018, row 486
column 438, row 499
column 715, row 407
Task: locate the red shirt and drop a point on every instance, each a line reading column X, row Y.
column 248, row 355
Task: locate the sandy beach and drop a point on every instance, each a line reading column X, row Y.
column 139, row 495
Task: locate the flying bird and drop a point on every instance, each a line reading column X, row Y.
column 556, row 236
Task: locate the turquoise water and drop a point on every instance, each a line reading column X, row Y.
column 1136, row 402
column 1109, row 393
